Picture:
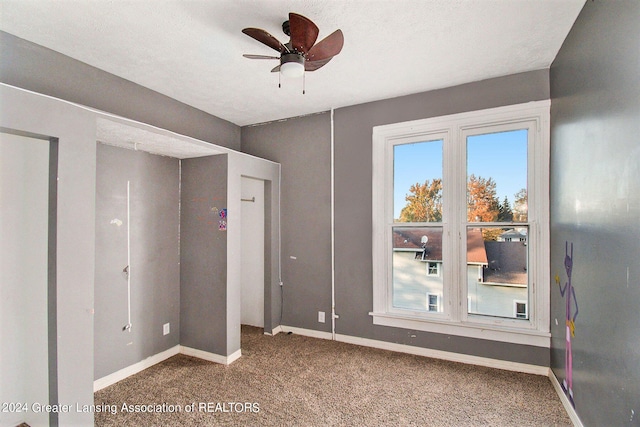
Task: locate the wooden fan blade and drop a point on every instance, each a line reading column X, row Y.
column 276, row 69
column 304, row 33
column 263, row 37
column 246, row 55
column 314, row 65
column 328, row 47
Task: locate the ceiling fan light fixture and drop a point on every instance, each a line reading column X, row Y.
column 292, row 65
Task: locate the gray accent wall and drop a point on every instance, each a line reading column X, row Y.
column 155, row 257
column 302, row 146
column 353, row 199
column 595, row 208
column 36, row 68
column 203, row 255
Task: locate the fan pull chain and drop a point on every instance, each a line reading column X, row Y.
column 304, row 80
column 279, row 78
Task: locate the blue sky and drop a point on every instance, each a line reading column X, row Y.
column 501, row 156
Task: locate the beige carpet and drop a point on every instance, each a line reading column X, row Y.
column 291, row 380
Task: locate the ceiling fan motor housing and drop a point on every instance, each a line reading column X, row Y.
column 292, row 64
column 292, row 57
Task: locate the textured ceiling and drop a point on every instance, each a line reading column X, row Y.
column 192, row 50
column 133, row 136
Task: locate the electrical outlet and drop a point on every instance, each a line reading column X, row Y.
column 166, row 328
column 321, row 316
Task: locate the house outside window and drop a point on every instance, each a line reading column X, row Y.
column 444, row 202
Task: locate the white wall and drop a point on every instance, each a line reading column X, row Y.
column 252, row 280
column 24, row 180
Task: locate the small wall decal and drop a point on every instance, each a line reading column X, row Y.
column 570, row 320
column 222, row 224
column 116, row 221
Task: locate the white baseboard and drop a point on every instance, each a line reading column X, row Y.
column 123, row 373
column 420, row 351
column 571, row 411
column 211, row 357
column 307, row 332
column 445, row 355
column 275, row 331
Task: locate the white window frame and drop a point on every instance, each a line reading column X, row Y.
column 454, row 318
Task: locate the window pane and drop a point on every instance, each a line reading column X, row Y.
column 497, row 177
column 417, row 252
column 417, row 182
column 497, row 270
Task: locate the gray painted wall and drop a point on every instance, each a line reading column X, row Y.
column 595, row 205
column 155, row 257
column 36, row 68
column 303, row 148
column 203, row 255
column 353, row 171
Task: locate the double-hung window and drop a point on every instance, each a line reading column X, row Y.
column 464, row 198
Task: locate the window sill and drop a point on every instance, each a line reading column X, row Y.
column 493, row 332
column 505, row 285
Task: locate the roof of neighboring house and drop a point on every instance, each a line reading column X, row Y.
column 411, row 239
column 476, row 253
column 507, row 262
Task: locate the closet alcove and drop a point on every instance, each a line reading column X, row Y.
column 184, row 247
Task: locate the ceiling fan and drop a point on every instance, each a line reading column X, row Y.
column 301, row 53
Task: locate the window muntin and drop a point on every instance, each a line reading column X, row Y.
column 457, row 317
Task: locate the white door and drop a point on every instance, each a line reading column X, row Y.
column 252, row 277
